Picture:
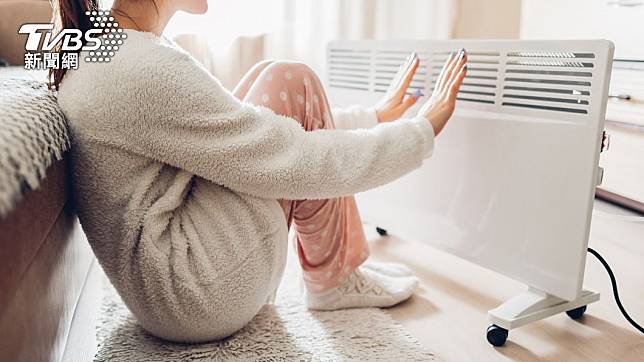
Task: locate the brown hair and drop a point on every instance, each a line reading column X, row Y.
column 69, row 14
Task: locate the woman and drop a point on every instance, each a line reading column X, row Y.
column 186, row 191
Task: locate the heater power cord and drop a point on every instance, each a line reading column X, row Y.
column 613, row 282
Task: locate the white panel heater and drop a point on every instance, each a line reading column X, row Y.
column 511, row 183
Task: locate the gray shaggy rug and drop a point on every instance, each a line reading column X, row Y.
column 283, row 331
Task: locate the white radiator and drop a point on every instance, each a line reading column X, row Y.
column 511, row 183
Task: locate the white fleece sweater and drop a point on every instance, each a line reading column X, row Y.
column 177, row 182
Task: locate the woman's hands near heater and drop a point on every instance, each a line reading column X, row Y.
column 394, row 105
column 440, row 107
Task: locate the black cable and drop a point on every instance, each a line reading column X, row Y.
column 615, row 292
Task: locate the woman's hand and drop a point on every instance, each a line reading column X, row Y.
column 440, row 106
column 395, row 104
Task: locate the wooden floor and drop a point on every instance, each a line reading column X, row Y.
column 449, row 313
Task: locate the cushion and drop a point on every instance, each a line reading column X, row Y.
column 14, row 13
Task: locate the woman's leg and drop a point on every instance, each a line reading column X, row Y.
column 244, row 85
column 330, row 240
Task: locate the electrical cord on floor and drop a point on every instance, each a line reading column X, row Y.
column 613, row 281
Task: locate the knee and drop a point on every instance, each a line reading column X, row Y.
column 262, row 64
column 292, row 71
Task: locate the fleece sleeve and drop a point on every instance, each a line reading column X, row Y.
column 186, row 119
column 355, row 117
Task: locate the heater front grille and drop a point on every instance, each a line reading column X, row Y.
column 504, row 78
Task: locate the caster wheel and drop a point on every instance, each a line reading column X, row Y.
column 381, row 231
column 577, row 312
column 497, row 335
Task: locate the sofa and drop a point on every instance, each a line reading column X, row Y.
column 49, row 278
column 50, row 281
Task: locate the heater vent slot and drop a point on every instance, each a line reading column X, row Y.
column 552, row 54
column 349, row 69
column 482, row 81
column 548, row 80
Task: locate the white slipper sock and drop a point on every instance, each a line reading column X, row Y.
column 363, row 288
column 390, row 269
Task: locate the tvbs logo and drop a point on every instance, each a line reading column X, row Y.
column 99, row 43
column 72, row 39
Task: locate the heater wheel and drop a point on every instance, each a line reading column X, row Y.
column 577, row 312
column 381, row 231
column 497, row 335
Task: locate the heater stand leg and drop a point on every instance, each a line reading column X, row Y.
column 531, row 306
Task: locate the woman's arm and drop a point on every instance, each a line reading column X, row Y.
column 254, row 151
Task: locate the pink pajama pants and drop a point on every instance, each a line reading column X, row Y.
column 330, row 241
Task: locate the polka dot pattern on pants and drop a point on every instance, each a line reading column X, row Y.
column 329, row 237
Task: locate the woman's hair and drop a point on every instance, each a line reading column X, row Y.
column 69, row 14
